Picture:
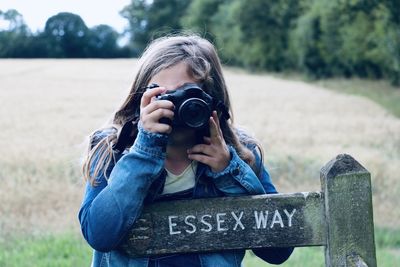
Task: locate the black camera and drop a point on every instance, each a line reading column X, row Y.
column 193, row 106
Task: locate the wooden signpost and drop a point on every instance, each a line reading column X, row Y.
column 339, row 218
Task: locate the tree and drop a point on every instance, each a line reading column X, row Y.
column 348, row 38
column 199, row 17
column 150, row 19
column 256, row 33
column 15, row 21
column 65, row 35
column 15, row 38
column 103, row 42
column 68, row 35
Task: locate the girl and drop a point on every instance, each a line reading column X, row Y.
column 139, row 158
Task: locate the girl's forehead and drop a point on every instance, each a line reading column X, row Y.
column 173, row 76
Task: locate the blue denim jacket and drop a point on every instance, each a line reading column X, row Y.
column 110, row 208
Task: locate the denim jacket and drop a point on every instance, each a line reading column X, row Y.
column 110, row 208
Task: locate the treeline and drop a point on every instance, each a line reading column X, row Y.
column 322, row 38
column 65, row 36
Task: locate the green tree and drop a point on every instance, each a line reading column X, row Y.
column 348, row 38
column 67, row 35
column 13, row 39
column 15, row 21
column 150, row 19
column 103, row 42
column 392, row 41
column 305, row 45
column 199, row 17
column 228, row 35
column 256, row 33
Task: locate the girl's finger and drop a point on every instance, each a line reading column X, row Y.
column 216, row 119
column 161, row 104
column 157, row 127
column 162, row 128
column 149, row 94
column 207, row 140
column 161, row 113
column 214, row 133
column 200, row 149
column 201, row 158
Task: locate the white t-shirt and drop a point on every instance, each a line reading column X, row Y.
column 176, row 183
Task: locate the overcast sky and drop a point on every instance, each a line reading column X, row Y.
column 93, row 12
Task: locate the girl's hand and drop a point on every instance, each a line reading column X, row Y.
column 214, row 152
column 151, row 111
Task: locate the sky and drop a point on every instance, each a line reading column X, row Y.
column 93, row 12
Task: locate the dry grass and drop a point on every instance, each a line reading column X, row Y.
column 48, row 106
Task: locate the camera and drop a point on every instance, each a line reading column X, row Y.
column 193, row 106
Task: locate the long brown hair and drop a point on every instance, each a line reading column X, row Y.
column 203, row 65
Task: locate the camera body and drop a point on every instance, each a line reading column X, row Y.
column 193, row 106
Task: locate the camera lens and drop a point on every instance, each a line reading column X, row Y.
column 194, row 112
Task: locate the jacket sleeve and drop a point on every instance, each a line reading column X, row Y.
column 109, row 209
column 237, row 178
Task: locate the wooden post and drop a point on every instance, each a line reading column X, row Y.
column 346, row 186
column 339, row 218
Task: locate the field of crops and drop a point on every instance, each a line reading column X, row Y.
column 48, row 107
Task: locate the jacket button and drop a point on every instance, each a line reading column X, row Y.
column 235, row 172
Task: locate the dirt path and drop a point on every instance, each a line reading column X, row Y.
column 48, row 106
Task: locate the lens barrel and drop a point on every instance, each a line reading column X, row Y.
column 194, row 113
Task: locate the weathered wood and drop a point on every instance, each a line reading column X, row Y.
column 348, row 210
column 228, row 223
column 355, row 261
column 340, row 218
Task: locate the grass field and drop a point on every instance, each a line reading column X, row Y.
column 380, row 92
column 49, row 106
column 69, row 250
